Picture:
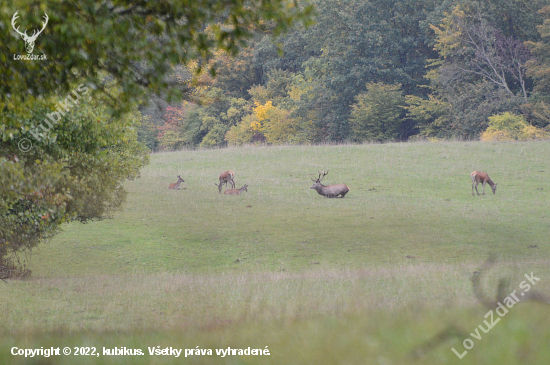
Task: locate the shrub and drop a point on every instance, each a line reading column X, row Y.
column 512, row 127
column 378, row 113
column 243, row 132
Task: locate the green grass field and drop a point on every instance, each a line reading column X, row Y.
column 373, row 278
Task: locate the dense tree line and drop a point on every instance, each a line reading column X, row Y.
column 374, row 70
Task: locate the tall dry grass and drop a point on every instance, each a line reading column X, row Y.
column 175, row 301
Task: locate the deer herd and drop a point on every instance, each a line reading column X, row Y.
column 328, row 191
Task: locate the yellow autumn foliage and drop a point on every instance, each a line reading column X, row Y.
column 261, row 110
column 511, row 127
column 497, row 135
column 243, row 132
column 267, row 123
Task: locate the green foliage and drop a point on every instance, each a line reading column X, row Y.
column 517, row 18
column 482, row 69
column 265, row 118
column 147, row 134
column 537, row 111
column 278, row 126
column 237, row 110
column 357, row 42
column 235, row 75
column 539, row 67
column 377, row 115
column 74, row 171
column 136, row 43
column 205, row 125
column 171, row 140
column 171, row 135
column 278, row 85
column 473, row 104
column 352, row 43
column 215, row 136
column 474, row 51
column 243, row 132
column 259, row 93
column 430, row 115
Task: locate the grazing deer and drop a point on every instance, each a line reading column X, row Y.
column 226, row 177
column 236, row 191
column 330, row 191
column 176, row 185
column 483, row 178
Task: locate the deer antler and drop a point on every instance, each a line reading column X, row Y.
column 13, row 25
column 35, row 34
column 320, row 177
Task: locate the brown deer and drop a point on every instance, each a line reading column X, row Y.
column 176, row 186
column 226, row 177
column 236, row 191
column 483, row 178
column 330, row 191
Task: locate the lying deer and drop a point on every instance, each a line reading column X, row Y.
column 226, row 177
column 236, row 191
column 483, row 178
column 330, row 191
column 177, row 184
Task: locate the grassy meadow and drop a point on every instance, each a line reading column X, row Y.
column 382, row 276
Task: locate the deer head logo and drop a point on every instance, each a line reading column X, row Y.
column 29, row 40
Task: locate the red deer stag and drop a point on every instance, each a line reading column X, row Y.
column 176, row 186
column 226, row 177
column 483, row 178
column 236, row 191
column 330, row 191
